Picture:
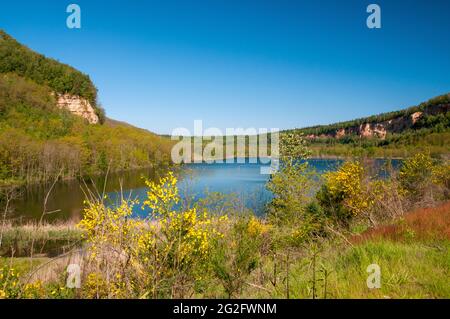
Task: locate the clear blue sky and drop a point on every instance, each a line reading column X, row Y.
column 162, row 64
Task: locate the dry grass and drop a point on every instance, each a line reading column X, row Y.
column 421, row 224
column 47, row 239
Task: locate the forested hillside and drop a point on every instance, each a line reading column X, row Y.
column 61, row 78
column 425, row 127
column 39, row 140
column 434, row 113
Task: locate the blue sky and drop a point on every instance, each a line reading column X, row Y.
column 271, row 64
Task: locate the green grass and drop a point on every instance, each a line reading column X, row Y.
column 408, row 270
column 22, row 265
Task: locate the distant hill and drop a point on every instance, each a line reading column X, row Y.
column 51, row 124
column 425, row 127
column 432, row 113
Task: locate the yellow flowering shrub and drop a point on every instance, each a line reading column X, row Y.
column 256, row 228
column 421, row 175
column 95, row 287
column 178, row 241
column 34, row 290
column 441, row 175
column 107, row 225
column 163, row 195
column 347, row 184
column 112, row 237
column 344, row 194
column 146, row 254
column 9, row 283
column 415, row 174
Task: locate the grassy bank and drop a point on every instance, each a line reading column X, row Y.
column 413, row 254
column 39, row 240
column 408, row 270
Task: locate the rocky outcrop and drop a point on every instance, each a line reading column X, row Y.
column 78, row 106
column 381, row 129
column 416, row 116
column 340, row 133
column 372, row 130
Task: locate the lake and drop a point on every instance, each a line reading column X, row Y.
column 242, row 179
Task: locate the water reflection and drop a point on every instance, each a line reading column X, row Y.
column 242, row 179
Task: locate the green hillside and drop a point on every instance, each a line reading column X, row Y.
column 403, row 136
column 61, row 78
column 435, row 114
column 38, row 139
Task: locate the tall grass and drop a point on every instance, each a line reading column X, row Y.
column 49, row 239
column 408, row 270
column 426, row 224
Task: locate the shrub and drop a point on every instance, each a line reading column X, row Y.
column 293, row 184
column 159, row 256
column 415, row 174
column 237, row 254
column 423, row 178
column 312, row 226
column 344, row 194
column 291, row 188
column 9, row 283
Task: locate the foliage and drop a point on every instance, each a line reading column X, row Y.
column 293, row 183
column 404, row 137
column 415, row 173
column 235, row 256
column 183, row 251
column 162, row 254
column 34, row 290
column 331, row 129
column 344, row 194
column 291, row 188
column 61, row 78
column 420, row 173
column 9, row 283
column 292, row 149
column 37, row 139
column 312, row 226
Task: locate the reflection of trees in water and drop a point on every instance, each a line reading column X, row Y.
column 246, row 183
column 68, row 197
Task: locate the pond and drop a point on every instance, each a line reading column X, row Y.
column 243, row 179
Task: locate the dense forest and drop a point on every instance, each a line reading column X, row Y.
column 39, row 141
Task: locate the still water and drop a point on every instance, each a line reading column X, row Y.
column 242, row 179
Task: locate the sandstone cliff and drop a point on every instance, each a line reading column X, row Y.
column 78, row 106
column 377, row 129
